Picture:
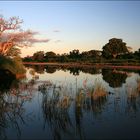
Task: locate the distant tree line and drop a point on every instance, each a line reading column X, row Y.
column 115, row 49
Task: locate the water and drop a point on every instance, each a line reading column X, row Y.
column 60, row 103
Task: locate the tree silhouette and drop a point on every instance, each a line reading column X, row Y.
column 38, row 56
column 113, row 78
column 50, row 56
column 74, row 54
column 114, row 47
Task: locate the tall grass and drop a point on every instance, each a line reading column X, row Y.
column 134, row 92
column 99, row 91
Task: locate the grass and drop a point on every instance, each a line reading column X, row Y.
column 99, row 91
column 134, row 92
column 138, row 85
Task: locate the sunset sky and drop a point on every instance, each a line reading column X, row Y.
column 83, row 25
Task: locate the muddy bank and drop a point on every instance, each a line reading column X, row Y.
column 96, row 65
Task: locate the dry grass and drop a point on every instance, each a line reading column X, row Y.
column 138, row 85
column 64, row 102
column 134, row 92
column 99, row 91
column 79, row 98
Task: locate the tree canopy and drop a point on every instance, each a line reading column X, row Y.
column 12, row 36
column 38, row 56
column 114, row 47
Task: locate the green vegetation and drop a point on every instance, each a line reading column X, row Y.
column 99, row 91
column 12, row 38
column 114, row 48
column 115, row 52
column 14, row 65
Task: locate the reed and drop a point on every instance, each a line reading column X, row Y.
column 99, row 91
column 134, row 92
column 138, row 85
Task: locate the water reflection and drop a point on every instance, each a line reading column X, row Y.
column 70, row 110
column 58, row 101
column 12, row 99
column 73, row 70
column 113, row 77
column 133, row 98
column 55, row 110
column 50, row 69
column 6, row 80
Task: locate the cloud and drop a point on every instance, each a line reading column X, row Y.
column 57, row 41
column 56, row 31
column 22, row 36
column 34, row 40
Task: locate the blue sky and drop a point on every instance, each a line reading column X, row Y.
column 83, row 25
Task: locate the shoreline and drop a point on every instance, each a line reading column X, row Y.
column 96, row 65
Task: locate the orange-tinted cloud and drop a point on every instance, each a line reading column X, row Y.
column 22, row 37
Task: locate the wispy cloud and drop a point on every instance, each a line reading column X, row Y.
column 57, row 41
column 56, row 31
column 23, row 37
column 35, row 40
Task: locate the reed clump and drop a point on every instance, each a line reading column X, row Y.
column 79, row 98
column 99, row 91
column 138, row 85
column 134, row 92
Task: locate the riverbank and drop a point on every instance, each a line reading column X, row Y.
column 89, row 65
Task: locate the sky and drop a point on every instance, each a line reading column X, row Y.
column 82, row 25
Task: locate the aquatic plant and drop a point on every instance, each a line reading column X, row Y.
column 99, row 91
column 133, row 98
column 138, row 85
column 55, row 105
column 133, row 92
column 12, row 110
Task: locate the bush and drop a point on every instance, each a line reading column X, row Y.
column 14, row 65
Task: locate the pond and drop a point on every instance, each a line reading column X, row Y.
column 71, row 103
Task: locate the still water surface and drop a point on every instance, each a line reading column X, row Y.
column 55, row 103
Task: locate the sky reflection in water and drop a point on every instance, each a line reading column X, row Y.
column 55, row 104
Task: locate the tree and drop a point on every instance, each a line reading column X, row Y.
column 137, row 54
column 14, row 52
column 11, row 35
column 90, row 55
column 50, row 56
column 38, row 56
column 64, row 58
column 74, row 54
column 114, row 47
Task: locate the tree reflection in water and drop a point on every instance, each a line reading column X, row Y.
column 73, row 70
column 68, row 109
column 6, row 80
column 12, row 99
column 113, row 77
